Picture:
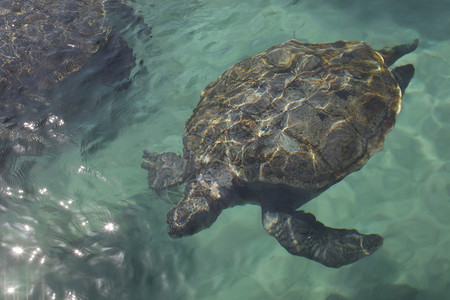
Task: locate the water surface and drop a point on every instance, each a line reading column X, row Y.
column 79, row 222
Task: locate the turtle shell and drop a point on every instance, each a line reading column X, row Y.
column 303, row 115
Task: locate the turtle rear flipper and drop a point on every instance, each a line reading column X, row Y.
column 403, row 76
column 392, row 54
column 301, row 234
column 164, row 170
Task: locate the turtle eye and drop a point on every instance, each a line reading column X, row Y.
column 180, row 216
column 178, row 219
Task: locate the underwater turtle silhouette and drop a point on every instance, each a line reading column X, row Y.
column 45, row 41
column 278, row 129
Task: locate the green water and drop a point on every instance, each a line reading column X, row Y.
column 90, row 228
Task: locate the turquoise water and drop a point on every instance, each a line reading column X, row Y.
column 79, row 222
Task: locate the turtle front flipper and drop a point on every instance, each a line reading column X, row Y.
column 301, row 234
column 164, row 170
column 205, row 198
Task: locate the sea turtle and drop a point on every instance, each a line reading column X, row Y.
column 44, row 41
column 279, row 128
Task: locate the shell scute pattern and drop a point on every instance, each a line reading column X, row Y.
column 278, row 129
column 321, row 108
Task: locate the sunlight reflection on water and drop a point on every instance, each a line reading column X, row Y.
column 79, row 222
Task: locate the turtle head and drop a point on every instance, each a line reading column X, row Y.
column 205, row 198
column 190, row 216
